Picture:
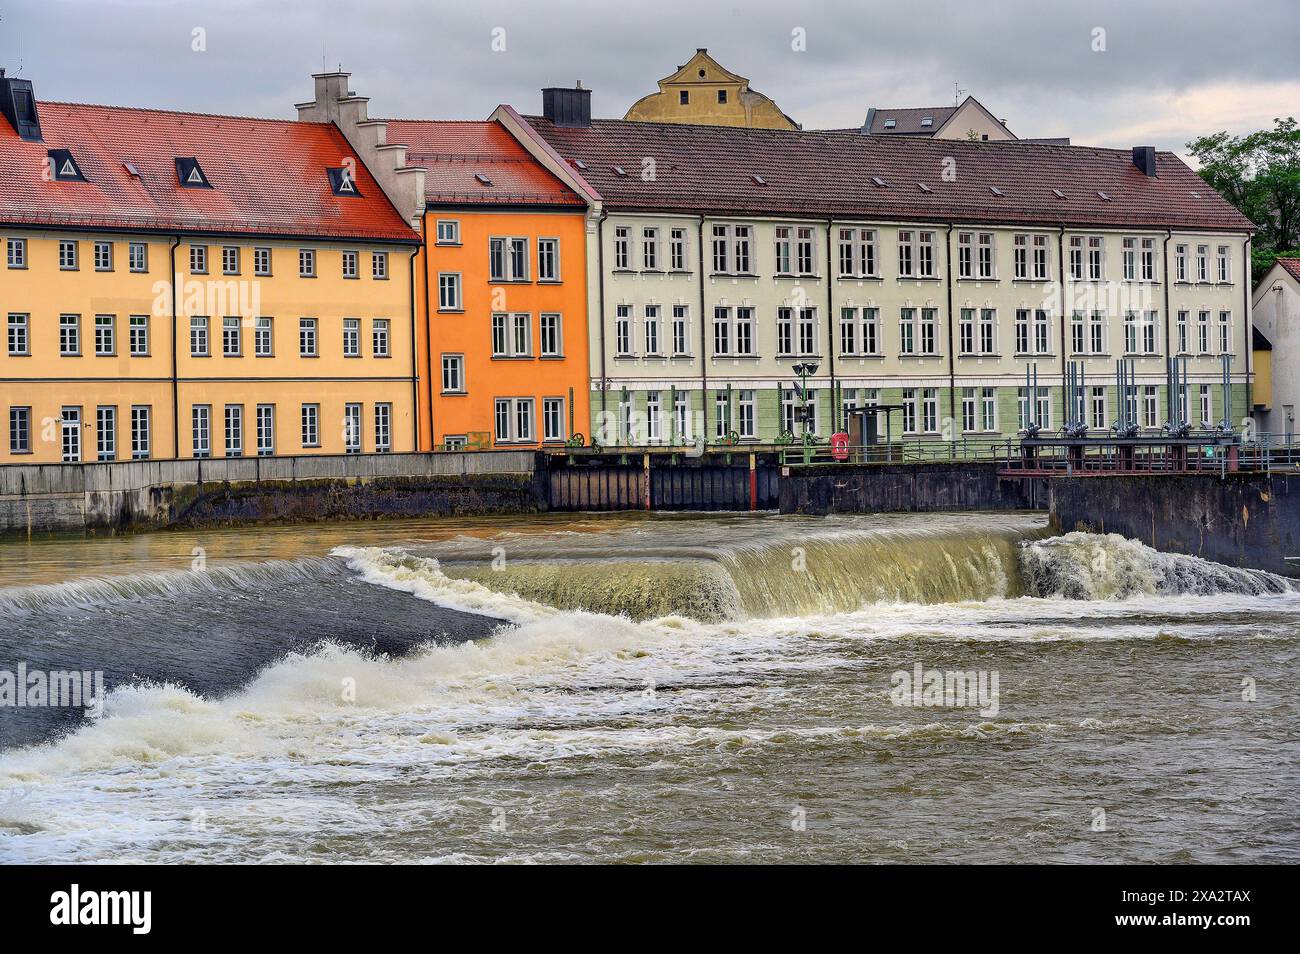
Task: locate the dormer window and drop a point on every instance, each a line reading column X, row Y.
column 63, row 168
column 927, row 122
column 343, row 182
column 190, row 174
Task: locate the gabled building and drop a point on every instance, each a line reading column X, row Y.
column 702, row 91
column 967, row 120
column 184, row 285
column 919, row 273
column 501, row 339
column 1277, row 348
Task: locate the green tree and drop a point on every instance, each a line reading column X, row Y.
column 1260, row 175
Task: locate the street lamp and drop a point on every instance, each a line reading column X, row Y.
column 804, row 369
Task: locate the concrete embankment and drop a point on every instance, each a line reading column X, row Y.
column 53, row 498
column 1245, row 520
column 906, row 488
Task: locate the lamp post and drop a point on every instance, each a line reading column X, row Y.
column 803, row 369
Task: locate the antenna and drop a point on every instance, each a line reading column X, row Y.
column 956, row 94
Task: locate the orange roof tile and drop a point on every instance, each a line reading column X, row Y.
column 268, row 176
column 456, row 152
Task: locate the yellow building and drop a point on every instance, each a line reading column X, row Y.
column 288, row 327
column 704, row 93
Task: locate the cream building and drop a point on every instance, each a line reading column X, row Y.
column 704, row 92
column 1277, row 318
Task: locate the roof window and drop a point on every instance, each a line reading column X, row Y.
column 482, row 179
column 1103, row 196
column 881, row 183
column 890, row 124
column 343, row 182
column 996, row 191
column 190, row 174
column 927, row 121
column 758, row 180
column 923, row 187
column 63, row 168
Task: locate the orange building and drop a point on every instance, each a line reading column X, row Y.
column 504, row 270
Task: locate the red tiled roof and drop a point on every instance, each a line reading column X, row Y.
column 1291, row 266
column 268, row 176
column 454, row 152
column 831, row 172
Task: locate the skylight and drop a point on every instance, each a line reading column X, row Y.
column 1058, row 193
column 996, row 191
column 131, row 169
column 190, row 174
column 890, row 124
column 927, row 121
column 758, row 180
column 483, row 180
column 879, row 181
column 1103, row 196
column 343, row 182
column 620, row 171
column 580, row 164
column 63, row 168
column 924, row 187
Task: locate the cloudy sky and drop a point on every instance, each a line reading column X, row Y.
column 1165, row 72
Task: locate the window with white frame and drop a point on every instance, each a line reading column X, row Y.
column 783, row 236
column 448, row 232
column 351, row 262
column 201, row 430
column 380, row 338
column 453, row 374
column 653, row 418
column 1224, row 259
column 262, row 261
column 231, row 345
column 553, row 419
column 351, row 337
column 514, row 420
column 808, row 337
column 137, row 256
column 230, row 260
column 1180, row 263
column 860, row 331
column 1030, row 257
column 449, row 298
column 651, row 330
column 199, row 336
column 930, row 410
column 857, row 248
column 140, row 431
column 307, row 338
column 1147, row 260
column 69, row 335
column 650, row 249
column 20, row 337
column 198, row 259
column 383, row 428
column 16, row 253
column 106, row 335
column 1181, row 330
column 677, row 250
column 379, row 266
column 306, row 263
column 1225, row 332
column 911, row 411
column 1096, row 258
column 548, row 260
column 906, row 258
column 746, row 330
column 311, row 425
column 623, row 330
column 1202, row 263
column 681, row 330
column 138, row 335
column 68, row 255
column 508, row 259
column 264, row 423
column 732, row 249
column 805, row 250
column 1097, row 336
column 351, row 428
column 988, row 409
column 106, row 432
column 745, row 414
column 234, row 430
column 1128, row 252
column 263, row 338
column 103, row 256
column 552, row 334
column 1150, row 332
column 722, row 330
column 622, row 248
column 1203, row 333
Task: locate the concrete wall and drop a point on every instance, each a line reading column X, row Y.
column 47, row 498
column 882, row 488
column 1246, row 520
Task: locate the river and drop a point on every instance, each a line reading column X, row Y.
column 650, row 688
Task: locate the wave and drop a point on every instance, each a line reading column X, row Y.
column 100, row 590
column 1089, row 566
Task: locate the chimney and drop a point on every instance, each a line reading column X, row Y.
column 567, row 107
column 1144, row 157
column 18, row 103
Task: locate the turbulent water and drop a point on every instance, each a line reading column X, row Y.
column 721, row 689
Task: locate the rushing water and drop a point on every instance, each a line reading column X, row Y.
column 717, row 689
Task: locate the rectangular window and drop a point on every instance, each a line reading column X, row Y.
column 1203, row 333
column 907, row 331
column 1096, row 258
column 721, row 330
column 1202, row 263
column 351, row 337
column 103, row 256
column 522, row 337
column 1100, row 419
column 351, row 262
column 262, row 261
column 966, row 331
column 1182, row 332
column 1129, row 253
column 1097, row 333
column 930, row 410
column 307, row 338
column 311, row 425
column 514, row 420
column 508, row 259
column 784, row 250
column 553, row 419
column 448, row 232
column 745, row 415
column 552, row 335
column 449, row 298
column 500, row 336
column 988, row 409
column 929, row 331
column 1042, row 331
column 622, row 248
column 105, row 335
column 858, row 253
column 1078, row 334
column 623, row 331
column 379, row 266
column 201, row 430
column 199, row 336
column 68, row 255
column 138, row 333
column 1150, row 406
column 379, row 338
column 653, row 418
column 677, row 250
column 652, row 330
column 909, row 411
column 106, row 432
column 848, row 331
column 1030, row 257
column 1207, row 406
column 20, row 430
column 650, row 249
column 453, row 373
column 988, row 331
column 20, row 341
column 1224, row 260
column 306, row 263
column 263, row 337
column 1076, row 258
column 808, row 331
column 1130, row 333
column 234, row 430
column 1225, row 332
column 721, row 250
column 230, row 260
column 905, row 259
column 682, row 431
column 985, row 258
column 198, row 259
column 806, row 250
column 231, row 336
column 1147, row 260
column 140, row 431
column 352, row 428
column 1020, row 266
column 925, row 255
column 1151, row 333
column 548, row 260
column 70, row 434
column 681, row 330
column 16, row 253
column 383, row 428
column 265, row 425
column 740, row 258
column 744, row 339
column 1180, row 263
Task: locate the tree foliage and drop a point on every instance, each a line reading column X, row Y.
column 1260, row 174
